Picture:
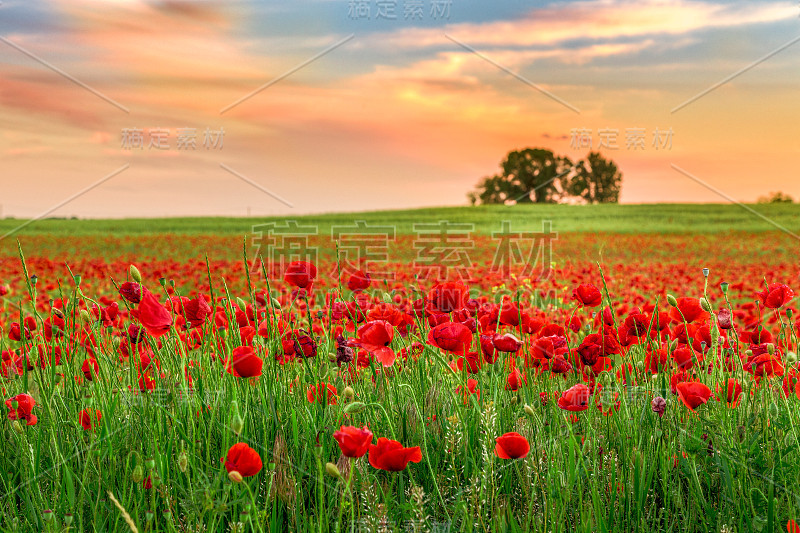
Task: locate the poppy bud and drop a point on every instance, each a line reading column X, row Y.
column 659, row 405
column 789, row 313
column 237, row 424
column 773, row 410
column 235, row 476
column 241, row 303
column 791, row 357
column 276, row 304
column 771, row 349
column 183, row 461
column 705, row 305
column 135, row 274
column 138, row 474
column 150, row 463
column 528, row 410
column 17, row 427
column 349, row 394
column 354, row 408
column 332, row 470
column 672, row 301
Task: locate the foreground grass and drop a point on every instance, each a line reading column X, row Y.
column 723, row 468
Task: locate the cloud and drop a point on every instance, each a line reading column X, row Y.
column 594, row 20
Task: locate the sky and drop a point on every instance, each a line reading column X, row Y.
column 120, row 108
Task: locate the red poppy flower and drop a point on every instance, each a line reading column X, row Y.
column 596, row 345
column 89, row 421
column 724, row 318
column 23, row 410
column 683, row 357
column 510, row 314
column 693, row 393
column 506, row 342
column 243, row 459
column 131, row 291
column 731, row 391
column 90, row 368
column 764, row 365
column 775, row 296
column 196, row 311
column 245, row 363
column 155, row 318
column 587, row 295
column 550, row 346
column 359, row 281
column 448, row 296
column 319, row 391
column 353, row 441
column 511, row 446
column 300, row 274
column 575, row 398
column 299, row 344
column 559, row 365
column 471, row 388
column 451, row 337
column 688, row 309
column 515, row 379
column 375, row 337
column 392, row 456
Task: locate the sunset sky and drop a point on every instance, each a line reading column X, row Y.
column 376, row 112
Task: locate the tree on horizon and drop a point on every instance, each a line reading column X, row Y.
column 537, row 175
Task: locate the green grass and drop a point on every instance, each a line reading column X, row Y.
column 639, row 218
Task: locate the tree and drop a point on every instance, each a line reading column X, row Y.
column 776, row 198
column 530, row 175
column 597, row 180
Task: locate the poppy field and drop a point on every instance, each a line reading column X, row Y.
column 189, row 382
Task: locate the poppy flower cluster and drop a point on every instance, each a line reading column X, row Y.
column 386, row 454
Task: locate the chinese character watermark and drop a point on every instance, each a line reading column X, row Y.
column 634, row 138
column 186, row 139
column 410, row 10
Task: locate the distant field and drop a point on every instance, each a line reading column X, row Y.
column 653, row 218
